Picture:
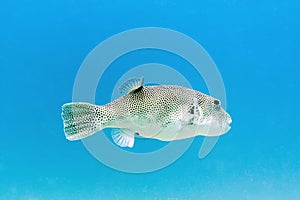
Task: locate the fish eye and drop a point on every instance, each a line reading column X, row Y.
column 216, row 102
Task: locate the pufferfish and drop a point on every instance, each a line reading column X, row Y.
column 164, row 112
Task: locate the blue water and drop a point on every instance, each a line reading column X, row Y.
column 255, row 45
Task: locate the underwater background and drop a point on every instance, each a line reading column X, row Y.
column 255, row 45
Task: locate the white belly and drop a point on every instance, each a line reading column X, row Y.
column 176, row 131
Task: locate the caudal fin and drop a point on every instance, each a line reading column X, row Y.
column 80, row 120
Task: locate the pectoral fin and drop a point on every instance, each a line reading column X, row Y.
column 194, row 114
column 123, row 137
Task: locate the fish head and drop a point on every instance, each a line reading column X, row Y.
column 215, row 120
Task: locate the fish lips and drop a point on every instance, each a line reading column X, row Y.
column 216, row 128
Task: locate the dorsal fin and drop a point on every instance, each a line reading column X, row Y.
column 132, row 85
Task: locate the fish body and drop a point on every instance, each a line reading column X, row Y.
column 161, row 112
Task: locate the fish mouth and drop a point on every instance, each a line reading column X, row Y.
column 229, row 120
column 228, row 127
column 224, row 130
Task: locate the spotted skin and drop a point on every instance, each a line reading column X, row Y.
column 152, row 112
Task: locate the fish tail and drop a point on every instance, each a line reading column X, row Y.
column 80, row 120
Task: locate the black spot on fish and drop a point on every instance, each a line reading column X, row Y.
column 138, row 89
column 192, row 110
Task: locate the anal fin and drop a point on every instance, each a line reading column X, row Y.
column 123, row 137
